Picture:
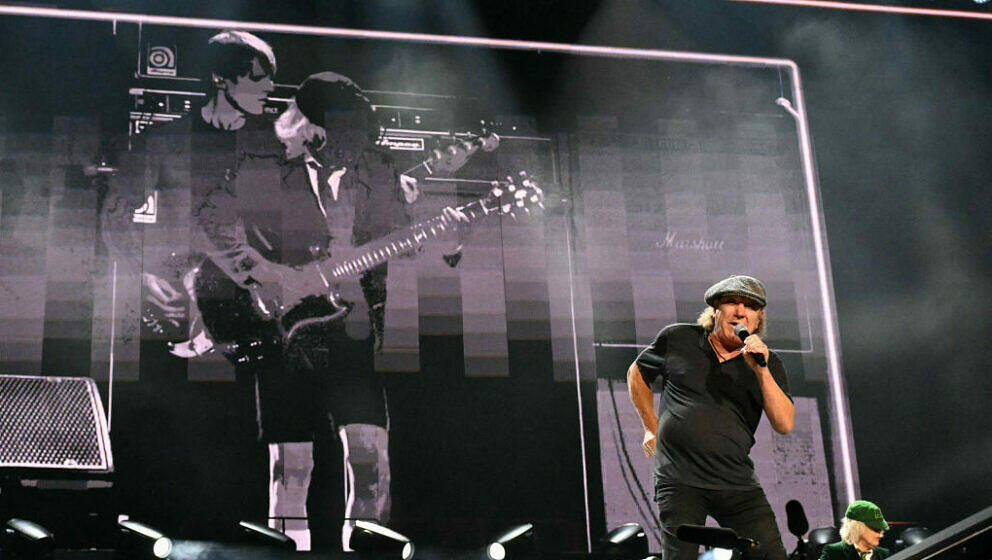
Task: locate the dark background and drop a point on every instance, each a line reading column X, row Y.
column 897, row 107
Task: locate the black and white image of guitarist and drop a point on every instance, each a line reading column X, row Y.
column 146, row 224
column 294, row 293
column 269, row 228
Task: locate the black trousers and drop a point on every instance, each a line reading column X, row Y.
column 745, row 511
column 323, row 382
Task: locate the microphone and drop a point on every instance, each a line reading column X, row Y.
column 740, row 329
column 719, row 537
column 796, row 518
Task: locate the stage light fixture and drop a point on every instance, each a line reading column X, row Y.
column 372, row 538
column 718, row 554
column 143, row 541
column 818, row 538
column 262, row 535
column 911, row 536
column 719, row 537
column 626, row 542
column 517, row 543
column 28, row 540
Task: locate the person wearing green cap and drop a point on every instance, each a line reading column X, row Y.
column 860, row 531
column 716, row 388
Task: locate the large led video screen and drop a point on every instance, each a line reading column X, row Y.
column 416, row 265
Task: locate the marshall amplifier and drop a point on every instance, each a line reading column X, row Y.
column 53, row 423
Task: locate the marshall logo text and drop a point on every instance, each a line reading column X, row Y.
column 673, row 241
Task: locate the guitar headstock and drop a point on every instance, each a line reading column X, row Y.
column 514, row 194
column 451, row 158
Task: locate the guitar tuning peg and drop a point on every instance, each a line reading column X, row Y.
column 316, row 251
column 489, row 142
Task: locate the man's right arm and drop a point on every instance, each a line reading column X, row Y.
column 643, row 399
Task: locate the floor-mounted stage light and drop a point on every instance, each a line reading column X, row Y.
column 514, row 544
column 721, row 554
column 372, row 538
column 23, row 539
column 143, row 541
column 820, row 537
column 718, row 537
column 261, row 535
column 911, row 536
column 626, row 542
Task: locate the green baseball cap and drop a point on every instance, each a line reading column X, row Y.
column 867, row 513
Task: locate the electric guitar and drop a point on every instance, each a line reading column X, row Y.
column 251, row 316
column 443, row 159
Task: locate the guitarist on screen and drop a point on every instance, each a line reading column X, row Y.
column 270, row 226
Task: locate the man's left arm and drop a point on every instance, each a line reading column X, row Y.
column 778, row 406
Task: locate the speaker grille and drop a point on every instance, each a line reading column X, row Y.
column 52, row 422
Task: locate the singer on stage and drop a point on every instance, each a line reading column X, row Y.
column 717, row 380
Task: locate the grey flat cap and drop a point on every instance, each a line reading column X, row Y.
column 738, row 285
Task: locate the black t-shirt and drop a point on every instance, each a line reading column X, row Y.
column 709, row 410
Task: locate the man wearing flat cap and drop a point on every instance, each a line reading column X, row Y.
column 860, row 531
column 715, row 388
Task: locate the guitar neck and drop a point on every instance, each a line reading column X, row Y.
column 404, row 241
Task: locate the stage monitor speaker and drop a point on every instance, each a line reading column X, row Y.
column 53, row 423
column 968, row 539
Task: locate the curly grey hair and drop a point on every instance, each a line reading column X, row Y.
column 851, row 530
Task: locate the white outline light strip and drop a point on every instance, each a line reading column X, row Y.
column 346, row 33
column 830, row 327
column 905, row 10
column 578, row 381
column 113, row 338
